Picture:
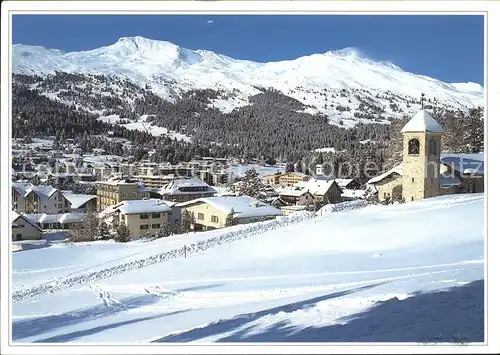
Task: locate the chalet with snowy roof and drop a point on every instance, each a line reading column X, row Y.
column 186, row 189
column 324, row 189
column 23, row 228
column 81, row 202
column 142, row 217
column 352, row 189
column 296, row 196
column 28, row 198
column 212, row 212
column 425, row 171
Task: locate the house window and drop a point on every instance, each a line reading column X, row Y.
column 144, row 216
column 156, row 226
column 412, row 179
column 134, row 194
column 155, row 215
column 124, row 195
column 414, row 146
column 215, row 219
column 19, row 237
column 144, row 226
column 201, row 216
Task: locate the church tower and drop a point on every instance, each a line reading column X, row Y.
column 421, row 157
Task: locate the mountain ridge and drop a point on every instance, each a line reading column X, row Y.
column 326, row 83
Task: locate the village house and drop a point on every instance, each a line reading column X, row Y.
column 60, row 221
column 296, row 196
column 113, row 191
column 186, row 189
column 81, row 203
column 324, row 190
column 141, row 217
column 28, row 198
column 352, row 189
column 23, row 228
column 212, row 212
column 290, row 179
column 425, row 172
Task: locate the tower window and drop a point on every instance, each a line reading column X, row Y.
column 432, row 147
column 414, row 146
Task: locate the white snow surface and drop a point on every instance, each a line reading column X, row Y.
column 153, row 62
column 410, row 272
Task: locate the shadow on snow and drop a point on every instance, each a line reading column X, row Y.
column 453, row 316
column 26, row 328
column 223, row 326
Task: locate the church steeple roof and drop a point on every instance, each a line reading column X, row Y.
column 422, row 122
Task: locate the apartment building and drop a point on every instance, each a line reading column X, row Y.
column 186, row 189
column 142, row 217
column 212, row 212
column 28, row 198
column 113, row 191
column 290, row 179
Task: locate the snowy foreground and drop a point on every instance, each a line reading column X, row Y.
column 402, row 273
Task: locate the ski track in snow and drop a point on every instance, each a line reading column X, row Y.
column 81, row 277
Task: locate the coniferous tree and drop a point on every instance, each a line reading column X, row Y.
column 187, row 220
column 230, row 219
column 122, row 234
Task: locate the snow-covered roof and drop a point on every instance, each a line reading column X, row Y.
column 78, row 200
column 55, row 218
column 44, row 192
column 14, row 216
column 139, row 206
column 175, row 187
column 294, row 191
column 316, row 186
column 244, row 206
column 464, row 163
column 422, row 122
column 398, row 169
column 343, row 182
column 350, row 193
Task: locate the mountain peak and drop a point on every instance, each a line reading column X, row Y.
column 348, row 52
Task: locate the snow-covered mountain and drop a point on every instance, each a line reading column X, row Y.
column 327, row 83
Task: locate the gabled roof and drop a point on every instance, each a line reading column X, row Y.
column 422, row 122
column 15, row 216
column 78, row 200
column 44, row 192
column 244, row 206
column 294, row 191
column 139, row 206
column 343, row 182
column 398, row 170
column 316, row 186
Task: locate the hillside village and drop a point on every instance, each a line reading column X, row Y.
column 101, row 196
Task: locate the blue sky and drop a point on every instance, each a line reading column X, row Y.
column 449, row 48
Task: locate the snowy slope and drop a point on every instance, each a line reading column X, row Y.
column 316, row 80
column 369, row 274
